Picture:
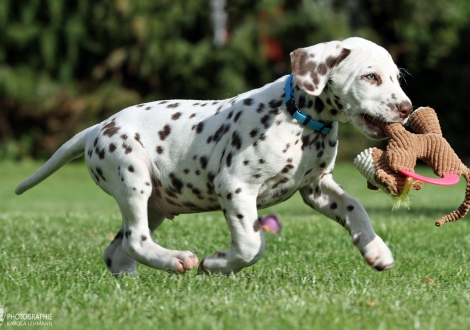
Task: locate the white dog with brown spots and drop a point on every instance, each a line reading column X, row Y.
column 239, row 155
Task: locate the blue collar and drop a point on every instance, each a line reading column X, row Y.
column 300, row 116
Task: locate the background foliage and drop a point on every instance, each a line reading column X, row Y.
column 65, row 65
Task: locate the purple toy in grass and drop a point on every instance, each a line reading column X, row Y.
column 270, row 223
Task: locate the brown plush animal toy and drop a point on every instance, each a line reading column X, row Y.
column 384, row 169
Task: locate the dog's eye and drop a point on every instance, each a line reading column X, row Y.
column 371, row 76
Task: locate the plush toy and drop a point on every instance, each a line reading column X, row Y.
column 393, row 170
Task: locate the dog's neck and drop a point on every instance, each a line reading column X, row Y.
column 326, row 107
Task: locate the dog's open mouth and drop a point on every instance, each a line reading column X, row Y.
column 374, row 124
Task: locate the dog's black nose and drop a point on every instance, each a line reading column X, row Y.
column 404, row 108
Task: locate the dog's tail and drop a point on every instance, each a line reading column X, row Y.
column 73, row 148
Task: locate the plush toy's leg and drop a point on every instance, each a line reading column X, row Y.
column 464, row 207
column 327, row 197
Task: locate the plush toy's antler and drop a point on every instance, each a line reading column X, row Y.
column 381, row 168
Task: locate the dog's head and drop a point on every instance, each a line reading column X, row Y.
column 356, row 80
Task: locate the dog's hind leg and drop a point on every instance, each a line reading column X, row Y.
column 239, row 208
column 137, row 242
column 117, row 261
column 328, row 198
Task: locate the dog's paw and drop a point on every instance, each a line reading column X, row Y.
column 217, row 264
column 183, row 261
column 377, row 254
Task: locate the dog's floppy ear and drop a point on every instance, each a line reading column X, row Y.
column 312, row 66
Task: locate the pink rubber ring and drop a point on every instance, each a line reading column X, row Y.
column 448, row 179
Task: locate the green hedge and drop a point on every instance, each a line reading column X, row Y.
column 65, row 64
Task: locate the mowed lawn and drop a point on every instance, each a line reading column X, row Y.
column 311, row 275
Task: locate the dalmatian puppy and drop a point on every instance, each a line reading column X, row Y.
column 239, row 155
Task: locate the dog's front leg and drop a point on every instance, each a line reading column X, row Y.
column 239, row 207
column 327, row 197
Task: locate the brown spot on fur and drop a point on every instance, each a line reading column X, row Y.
column 309, row 87
column 127, row 149
column 173, row 105
column 256, row 226
column 199, row 127
column 301, row 63
column 317, row 193
column 287, row 168
column 100, row 173
column 176, row 115
column 100, row 153
column 248, row 101
column 237, row 116
column 344, row 53
column 301, row 102
column 274, row 104
column 319, row 105
column 137, row 138
column 110, row 129
column 322, row 69
column 203, row 160
column 164, row 132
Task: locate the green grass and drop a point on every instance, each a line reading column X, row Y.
column 311, row 276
